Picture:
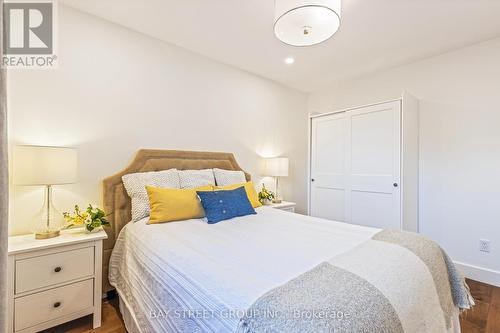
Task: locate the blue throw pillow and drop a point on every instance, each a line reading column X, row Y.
column 224, row 205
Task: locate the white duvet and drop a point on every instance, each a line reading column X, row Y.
column 190, row 276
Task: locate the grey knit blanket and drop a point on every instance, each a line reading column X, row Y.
column 395, row 282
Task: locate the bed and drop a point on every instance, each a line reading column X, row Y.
column 244, row 274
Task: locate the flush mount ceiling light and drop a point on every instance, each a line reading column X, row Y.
column 289, row 60
column 305, row 23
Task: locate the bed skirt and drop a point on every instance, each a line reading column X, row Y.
column 128, row 317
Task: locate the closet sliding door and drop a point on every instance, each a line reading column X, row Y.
column 359, row 158
column 373, row 155
column 328, row 167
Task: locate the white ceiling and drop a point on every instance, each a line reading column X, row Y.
column 374, row 34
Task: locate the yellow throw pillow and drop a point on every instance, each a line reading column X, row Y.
column 170, row 204
column 251, row 193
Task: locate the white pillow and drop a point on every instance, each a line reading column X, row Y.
column 135, row 184
column 196, row 178
column 228, row 177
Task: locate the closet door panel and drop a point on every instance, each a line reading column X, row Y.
column 328, row 203
column 328, row 167
column 374, row 159
column 372, row 142
column 372, row 209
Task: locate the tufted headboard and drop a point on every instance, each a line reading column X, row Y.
column 117, row 203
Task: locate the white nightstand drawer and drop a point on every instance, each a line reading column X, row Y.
column 51, row 269
column 287, row 206
column 54, row 303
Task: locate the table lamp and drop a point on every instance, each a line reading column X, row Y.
column 276, row 167
column 45, row 166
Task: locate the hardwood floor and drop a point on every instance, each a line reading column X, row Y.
column 483, row 318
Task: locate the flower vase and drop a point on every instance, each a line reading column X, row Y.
column 93, row 230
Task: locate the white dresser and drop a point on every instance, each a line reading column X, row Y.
column 55, row 280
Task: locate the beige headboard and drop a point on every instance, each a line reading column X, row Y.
column 117, row 203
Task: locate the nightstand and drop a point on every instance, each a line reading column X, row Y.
column 54, row 280
column 284, row 205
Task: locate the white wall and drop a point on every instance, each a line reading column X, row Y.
column 459, row 96
column 117, row 91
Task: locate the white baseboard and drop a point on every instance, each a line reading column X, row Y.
column 480, row 274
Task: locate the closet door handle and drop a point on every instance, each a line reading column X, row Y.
column 57, row 304
column 395, row 184
column 312, row 179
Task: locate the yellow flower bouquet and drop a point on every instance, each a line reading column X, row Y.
column 266, row 196
column 91, row 218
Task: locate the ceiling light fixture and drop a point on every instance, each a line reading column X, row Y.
column 305, row 23
column 289, row 60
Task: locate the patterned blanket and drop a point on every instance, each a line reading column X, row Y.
column 395, row 282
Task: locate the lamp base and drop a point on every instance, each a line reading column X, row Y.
column 47, row 234
column 277, row 201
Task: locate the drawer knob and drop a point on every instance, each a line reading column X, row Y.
column 57, row 304
column 57, row 269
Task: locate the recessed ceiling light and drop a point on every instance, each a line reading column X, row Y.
column 289, row 60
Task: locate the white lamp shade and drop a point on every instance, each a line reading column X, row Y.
column 38, row 165
column 306, row 22
column 276, row 167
